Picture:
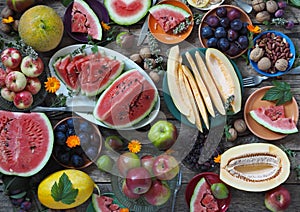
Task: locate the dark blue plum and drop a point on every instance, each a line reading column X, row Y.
column 70, row 123
column 236, row 24
column 212, row 42
column 207, row 32
column 233, row 49
column 220, row 32
column 70, row 131
column 84, row 138
column 221, row 12
column 77, row 160
column 243, row 41
column 92, row 152
column 224, row 22
column 244, row 30
column 232, row 35
column 212, row 21
column 61, row 127
column 223, row 44
column 26, row 205
column 233, row 14
column 60, row 138
column 64, row 158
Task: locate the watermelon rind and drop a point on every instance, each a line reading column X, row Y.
column 95, row 28
column 281, row 125
column 194, row 199
column 127, row 7
column 45, row 122
column 165, row 9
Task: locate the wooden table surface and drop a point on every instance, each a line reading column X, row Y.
column 241, row 200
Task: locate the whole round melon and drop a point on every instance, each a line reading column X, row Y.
column 41, row 28
column 127, row 12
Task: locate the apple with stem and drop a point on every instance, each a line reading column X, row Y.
column 32, row 67
column 23, row 99
column 138, row 180
column 7, row 94
column 11, row 58
column 15, row 81
column 158, row 194
column 147, row 162
column 165, row 167
column 277, row 199
column 33, row 85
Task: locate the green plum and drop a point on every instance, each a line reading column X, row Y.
column 219, row 190
column 114, row 142
column 105, row 163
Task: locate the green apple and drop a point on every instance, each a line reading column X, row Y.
column 105, row 163
column 163, row 134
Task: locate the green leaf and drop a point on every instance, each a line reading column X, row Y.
column 280, row 93
column 272, row 94
column 63, row 190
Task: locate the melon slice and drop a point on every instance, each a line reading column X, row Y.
column 127, row 12
column 168, row 16
column 273, row 119
column 84, row 20
column 26, row 142
column 126, row 101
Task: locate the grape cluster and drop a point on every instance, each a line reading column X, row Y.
column 191, row 160
column 226, row 31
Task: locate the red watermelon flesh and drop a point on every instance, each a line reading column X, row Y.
column 79, row 23
column 26, row 142
column 60, row 67
column 126, row 101
column 168, row 16
column 104, row 204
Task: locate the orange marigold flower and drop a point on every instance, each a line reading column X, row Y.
column 52, row 84
column 73, row 141
column 124, row 210
column 105, row 26
column 8, row 20
column 134, row 146
column 217, row 159
column 254, row 29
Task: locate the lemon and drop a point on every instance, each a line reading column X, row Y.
column 79, row 179
column 198, row 3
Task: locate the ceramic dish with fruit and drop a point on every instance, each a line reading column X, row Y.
column 272, row 54
column 225, row 28
column 77, row 142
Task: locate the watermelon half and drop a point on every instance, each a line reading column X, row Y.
column 273, row 118
column 128, row 100
column 127, row 12
column 26, row 142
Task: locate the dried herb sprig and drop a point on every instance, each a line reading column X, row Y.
column 292, row 156
column 182, row 27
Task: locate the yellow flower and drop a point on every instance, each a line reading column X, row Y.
column 134, row 146
column 8, row 20
column 73, row 141
column 254, row 29
column 217, row 159
column 105, row 26
column 52, row 84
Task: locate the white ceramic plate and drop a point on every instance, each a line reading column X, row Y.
column 207, row 7
column 80, row 100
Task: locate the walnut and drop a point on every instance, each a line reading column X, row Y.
column 264, row 64
column 281, row 64
column 136, row 58
column 256, row 54
column 271, row 6
column 258, row 5
column 263, row 16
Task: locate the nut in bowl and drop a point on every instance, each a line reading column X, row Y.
column 273, row 53
column 77, row 142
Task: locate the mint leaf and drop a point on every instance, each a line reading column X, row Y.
column 63, row 190
column 280, row 93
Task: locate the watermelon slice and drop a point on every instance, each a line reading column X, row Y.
column 126, row 101
column 273, row 118
column 84, row 20
column 26, row 142
column 168, row 16
column 127, row 12
column 105, row 203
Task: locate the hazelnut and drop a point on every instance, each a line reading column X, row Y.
column 258, row 5
column 145, row 52
column 263, row 16
column 281, row 64
column 154, row 76
column 256, row 54
column 240, row 125
column 264, row 64
column 136, row 58
column 271, row 6
column 232, row 134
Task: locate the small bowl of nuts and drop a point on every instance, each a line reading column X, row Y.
column 272, row 54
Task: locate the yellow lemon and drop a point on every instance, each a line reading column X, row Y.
column 79, row 179
column 198, row 3
column 41, row 28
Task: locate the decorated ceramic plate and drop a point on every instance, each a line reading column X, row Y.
column 210, row 178
column 170, row 38
column 255, row 101
column 80, row 100
column 205, row 4
column 99, row 10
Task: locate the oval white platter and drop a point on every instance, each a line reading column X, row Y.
column 80, row 100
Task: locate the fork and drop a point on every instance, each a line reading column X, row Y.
column 177, row 187
column 253, row 80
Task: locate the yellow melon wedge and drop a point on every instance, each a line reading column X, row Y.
column 173, row 83
column 210, row 84
column 225, row 77
column 196, row 95
column 193, row 103
column 202, row 87
column 183, row 89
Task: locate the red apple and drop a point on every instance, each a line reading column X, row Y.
column 15, row 81
column 165, row 167
column 33, row 85
column 128, row 193
column 23, row 99
column 32, row 67
column 158, row 194
column 147, row 162
column 277, row 199
column 127, row 161
column 11, row 58
column 7, row 94
column 138, row 180
column 3, row 75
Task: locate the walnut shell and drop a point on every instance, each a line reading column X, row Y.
column 264, row 64
column 258, row 5
column 281, row 64
column 263, row 16
column 271, row 6
column 256, row 54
